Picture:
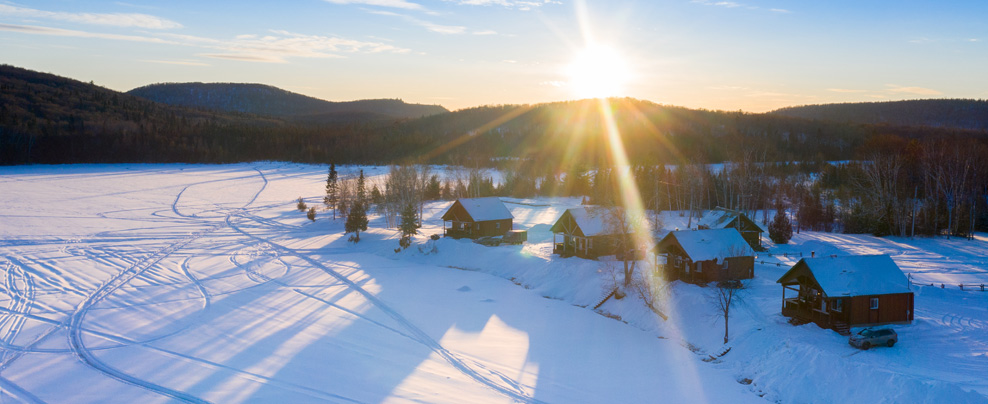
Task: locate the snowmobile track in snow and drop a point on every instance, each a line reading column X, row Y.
column 515, row 392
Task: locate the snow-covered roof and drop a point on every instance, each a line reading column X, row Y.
column 705, row 245
column 484, row 209
column 856, row 275
column 720, row 217
column 592, row 220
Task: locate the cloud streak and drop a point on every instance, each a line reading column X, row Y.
column 124, row 20
column 518, row 4
column 38, row 30
column 402, row 4
column 275, row 47
column 437, row 28
column 912, row 90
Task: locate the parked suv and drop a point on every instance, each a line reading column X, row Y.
column 868, row 338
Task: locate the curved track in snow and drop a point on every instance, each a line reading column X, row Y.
column 492, row 380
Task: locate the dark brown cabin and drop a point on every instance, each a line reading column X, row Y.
column 721, row 218
column 844, row 292
column 477, row 217
column 702, row 256
column 584, row 232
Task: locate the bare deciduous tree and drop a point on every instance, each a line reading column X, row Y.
column 725, row 295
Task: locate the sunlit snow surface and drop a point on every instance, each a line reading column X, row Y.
column 156, row 283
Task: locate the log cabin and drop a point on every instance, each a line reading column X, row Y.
column 586, row 233
column 721, row 218
column 477, row 217
column 702, row 256
column 844, row 292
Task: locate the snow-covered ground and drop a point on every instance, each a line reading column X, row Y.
column 151, row 283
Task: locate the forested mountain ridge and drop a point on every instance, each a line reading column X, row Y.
column 262, row 99
column 53, row 119
column 50, row 119
column 938, row 113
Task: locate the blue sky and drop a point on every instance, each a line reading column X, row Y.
column 749, row 55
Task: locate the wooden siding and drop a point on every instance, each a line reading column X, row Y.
column 584, row 247
column 893, row 308
column 479, row 229
column 679, row 266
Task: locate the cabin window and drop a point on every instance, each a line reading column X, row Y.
column 699, row 267
column 837, row 305
column 497, row 225
column 724, row 264
column 874, row 303
column 679, row 261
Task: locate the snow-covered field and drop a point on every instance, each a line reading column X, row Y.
column 155, row 283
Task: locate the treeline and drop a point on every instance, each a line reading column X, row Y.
column 262, row 99
column 897, row 186
column 943, row 113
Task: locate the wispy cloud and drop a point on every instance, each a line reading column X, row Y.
column 177, row 62
column 278, row 46
column 127, row 20
column 727, row 88
column 845, row 90
column 275, row 47
column 780, row 10
column 485, row 32
column 912, row 90
column 437, row 28
column 728, row 4
column 33, row 29
column 381, row 3
column 518, row 4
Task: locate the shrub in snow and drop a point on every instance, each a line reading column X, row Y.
column 301, row 205
column 312, row 214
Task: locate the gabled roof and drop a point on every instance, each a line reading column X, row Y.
column 852, row 275
column 481, row 209
column 719, row 217
column 705, row 245
column 592, row 221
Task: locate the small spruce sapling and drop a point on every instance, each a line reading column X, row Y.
column 311, row 214
column 301, row 205
column 408, row 227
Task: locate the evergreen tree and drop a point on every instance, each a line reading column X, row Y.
column 332, row 190
column 356, row 220
column 408, row 227
column 361, row 189
column 433, row 189
column 311, row 214
column 780, row 231
column 377, row 198
column 300, row 205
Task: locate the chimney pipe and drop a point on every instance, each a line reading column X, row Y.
column 812, row 254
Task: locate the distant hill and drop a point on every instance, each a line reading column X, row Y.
column 272, row 101
column 50, row 119
column 944, row 113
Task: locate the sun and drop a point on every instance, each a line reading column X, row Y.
column 598, row 71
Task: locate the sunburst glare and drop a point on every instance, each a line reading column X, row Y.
column 598, row 71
